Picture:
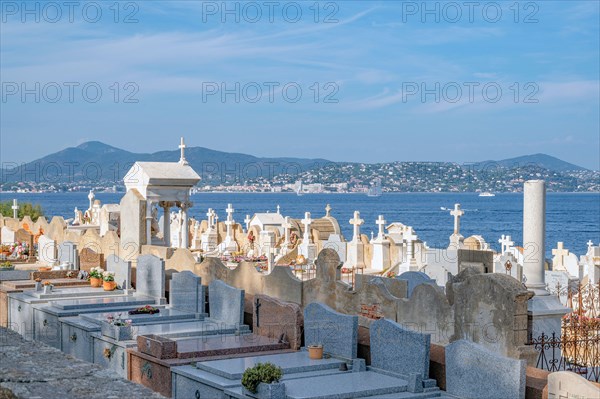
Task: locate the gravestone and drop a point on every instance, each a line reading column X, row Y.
column 473, row 372
column 226, row 303
column 122, row 270
column 337, row 332
column 8, row 236
column 398, row 350
column 47, row 251
column 566, row 384
column 414, row 279
column 67, row 253
column 187, row 292
column 89, row 258
column 273, row 318
column 150, row 277
column 335, row 242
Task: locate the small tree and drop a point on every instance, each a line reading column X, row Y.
column 25, row 209
column 267, row 373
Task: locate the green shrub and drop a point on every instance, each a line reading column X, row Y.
column 267, row 373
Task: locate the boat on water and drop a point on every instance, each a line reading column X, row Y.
column 375, row 190
column 487, row 194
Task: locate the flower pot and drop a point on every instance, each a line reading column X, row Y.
column 267, row 391
column 118, row 333
column 38, row 286
column 109, row 285
column 315, row 352
column 95, row 282
column 47, row 289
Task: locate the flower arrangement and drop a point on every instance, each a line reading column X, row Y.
column 266, row 373
column 38, row 280
column 145, row 310
column 118, row 321
column 47, row 283
column 96, row 272
column 6, row 265
column 70, row 274
column 108, row 276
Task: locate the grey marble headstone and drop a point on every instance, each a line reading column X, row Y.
column 473, row 372
column 414, row 279
column 226, row 303
column 186, row 292
column 67, row 253
column 398, row 350
column 337, row 332
column 122, row 270
column 150, row 277
column 47, row 251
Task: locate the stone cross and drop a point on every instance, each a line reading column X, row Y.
column 229, row 222
column 590, row 244
column 91, row 198
column 506, row 243
column 410, row 237
column 381, row 223
column 328, row 211
column 457, row 213
column 306, row 222
column 247, row 221
column 210, row 215
column 356, row 222
column 372, row 235
column 287, row 226
column 182, row 159
column 278, row 209
column 15, row 209
column 560, row 252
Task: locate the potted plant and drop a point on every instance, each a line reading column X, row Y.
column 109, row 283
column 96, row 276
column 48, row 287
column 6, row 266
column 315, row 351
column 38, row 284
column 116, row 328
column 262, row 381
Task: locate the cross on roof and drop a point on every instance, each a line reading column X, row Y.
column 560, row 252
column 381, row 223
column 506, row 243
column 328, row 210
column 278, row 209
column 457, row 213
column 182, row 159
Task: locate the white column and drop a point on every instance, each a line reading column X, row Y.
column 184, row 224
column 534, row 235
column 148, row 222
column 166, row 222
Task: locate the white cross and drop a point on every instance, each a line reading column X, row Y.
column 560, row 252
column 91, row 198
column 356, row 222
column 410, row 237
column 15, row 209
column 229, row 211
column 278, row 209
column 328, row 210
column 381, row 223
column 247, row 221
column 182, row 159
column 457, row 213
column 590, row 244
column 506, row 243
column 306, row 222
column 287, row 226
column 210, row 215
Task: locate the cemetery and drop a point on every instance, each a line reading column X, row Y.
column 191, row 308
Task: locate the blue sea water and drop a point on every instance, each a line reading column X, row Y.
column 571, row 217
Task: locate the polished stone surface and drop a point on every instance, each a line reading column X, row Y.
column 165, row 315
column 337, row 332
column 102, row 302
column 59, row 293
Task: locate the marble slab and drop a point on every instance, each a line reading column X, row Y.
column 100, row 303
column 61, row 293
column 23, row 285
column 165, row 315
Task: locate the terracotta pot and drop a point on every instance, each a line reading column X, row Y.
column 315, row 352
column 95, row 282
column 109, row 285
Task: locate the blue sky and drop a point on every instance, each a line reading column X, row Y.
column 388, row 77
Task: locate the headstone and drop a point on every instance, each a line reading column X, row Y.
column 414, row 279
column 274, row 319
column 226, row 303
column 89, row 258
column 566, row 384
column 186, row 292
column 122, row 270
column 67, row 254
column 473, row 372
column 335, row 242
column 8, row 236
column 150, row 277
column 47, row 251
column 337, row 332
column 398, row 350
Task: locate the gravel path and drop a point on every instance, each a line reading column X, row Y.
column 32, row 370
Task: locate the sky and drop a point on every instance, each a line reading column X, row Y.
column 373, row 81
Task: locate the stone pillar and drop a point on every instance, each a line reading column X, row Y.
column 166, row 222
column 148, row 222
column 185, row 230
column 534, row 235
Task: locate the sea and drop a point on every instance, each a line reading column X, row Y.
column 573, row 218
